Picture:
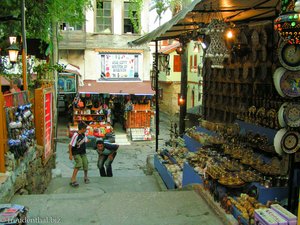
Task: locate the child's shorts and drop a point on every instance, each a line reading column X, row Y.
column 81, row 161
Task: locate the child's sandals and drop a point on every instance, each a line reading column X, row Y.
column 74, row 184
column 86, row 180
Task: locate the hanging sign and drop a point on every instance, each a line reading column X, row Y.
column 66, row 83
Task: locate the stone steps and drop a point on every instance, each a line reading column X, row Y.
column 121, row 139
column 118, row 208
column 105, row 185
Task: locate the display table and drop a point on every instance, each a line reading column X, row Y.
column 190, row 176
column 270, row 194
column 164, row 173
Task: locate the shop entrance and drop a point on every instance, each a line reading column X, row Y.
column 115, row 118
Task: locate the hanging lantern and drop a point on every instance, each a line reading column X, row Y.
column 288, row 23
column 217, row 50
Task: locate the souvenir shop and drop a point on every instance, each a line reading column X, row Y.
column 106, row 112
column 243, row 156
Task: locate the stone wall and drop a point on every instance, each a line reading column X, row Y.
column 25, row 176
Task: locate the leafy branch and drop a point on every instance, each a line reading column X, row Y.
column 135, row 10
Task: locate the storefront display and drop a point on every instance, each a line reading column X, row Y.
column 101, row 111
column 229, row 164
column 20, row 120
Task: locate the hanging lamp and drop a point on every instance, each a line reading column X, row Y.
column 217, row 50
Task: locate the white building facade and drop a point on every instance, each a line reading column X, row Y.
column 99, row 48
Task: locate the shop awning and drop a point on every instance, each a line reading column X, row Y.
column 200, row 12
column 117, row 88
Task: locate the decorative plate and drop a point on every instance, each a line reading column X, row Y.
column 289, row 83
column 263, row 37
column 276, row 79
column 281, row 119
column 263, row 53
column 289, row 56
column 254, row 39
column 291, row 115
column 277, row 141
column 290, row 142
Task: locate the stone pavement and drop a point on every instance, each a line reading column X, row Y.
column 135, row 195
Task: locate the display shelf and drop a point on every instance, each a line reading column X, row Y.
column 248, row 127
column 190, row 176
column 238, row 215
column 191, row 144
column 203, row 130
column 270, row 194
column 164, row 173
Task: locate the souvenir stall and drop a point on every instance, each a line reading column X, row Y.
column 244, row 153
column 20, row 123
column 96, row 111
column 138, row 117
column 102, row 111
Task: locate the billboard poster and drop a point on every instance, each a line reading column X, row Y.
column 119, row 66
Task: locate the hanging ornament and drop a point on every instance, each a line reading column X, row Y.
column 288, row 23
column 217, row 50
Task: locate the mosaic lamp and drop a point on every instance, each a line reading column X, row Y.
column 217, row 50
column 288, row 23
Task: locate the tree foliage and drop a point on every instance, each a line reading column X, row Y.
column 135, row 9
column 39, row 16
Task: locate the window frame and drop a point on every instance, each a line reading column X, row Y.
column 128, row 18
column 103, row 25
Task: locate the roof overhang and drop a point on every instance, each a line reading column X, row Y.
column 200, row 12
column 116, row 88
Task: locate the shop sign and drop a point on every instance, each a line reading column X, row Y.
column 67, row 83
column 48, row 124
column 119, row 66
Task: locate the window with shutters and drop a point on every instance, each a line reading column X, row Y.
column 177, row 63
column 193, row 63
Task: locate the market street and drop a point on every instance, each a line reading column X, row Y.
column 130, row 197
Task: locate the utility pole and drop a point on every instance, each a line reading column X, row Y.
column 183, row 87
column 24, row 47
column 184, row 78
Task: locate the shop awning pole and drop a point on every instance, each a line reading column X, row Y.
column 156, row 98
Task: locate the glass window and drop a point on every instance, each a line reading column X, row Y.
column 103, row 17
column 130, row 26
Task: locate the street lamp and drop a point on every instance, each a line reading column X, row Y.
column 13, row 52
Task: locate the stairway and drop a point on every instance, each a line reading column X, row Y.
column 121, row 139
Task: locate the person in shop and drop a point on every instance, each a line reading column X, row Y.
column 77, row 151
column 15, row 86
column 106, row 155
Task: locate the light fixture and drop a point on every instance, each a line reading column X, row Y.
column 13, row 52
column 179, row 50
column 288, row 24
column 229, row 34
column 181, row 101
column 12, row 40
column 217, row 50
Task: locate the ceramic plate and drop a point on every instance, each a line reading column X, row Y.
column 290, row 142
column 289, row 56
column 291, row 115
column 277, row 141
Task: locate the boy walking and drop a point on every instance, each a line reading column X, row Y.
column 77, row 151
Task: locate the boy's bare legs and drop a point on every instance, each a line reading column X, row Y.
column 86, row 179
column 75, row 171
